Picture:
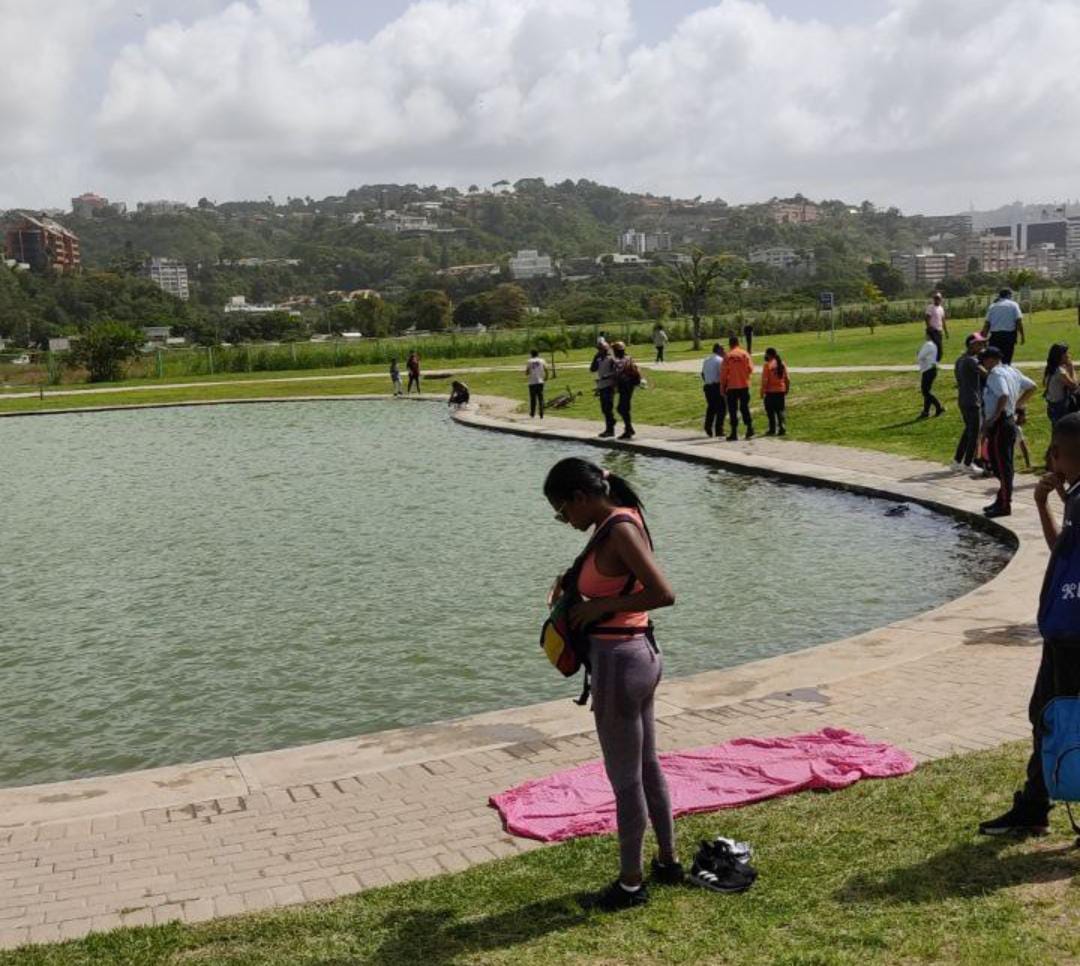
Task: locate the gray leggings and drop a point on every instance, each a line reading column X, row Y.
column 625, row 674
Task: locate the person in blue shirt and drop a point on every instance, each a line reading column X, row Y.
column 1004, row 399
column 715, row 404
column 1059, row 607
column 1004, row 322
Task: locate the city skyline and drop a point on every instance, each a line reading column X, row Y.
column 897, row 101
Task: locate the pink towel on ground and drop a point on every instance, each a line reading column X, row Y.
column 579, row 801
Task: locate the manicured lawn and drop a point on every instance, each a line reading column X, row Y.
column 883, row 872
column 869, row 410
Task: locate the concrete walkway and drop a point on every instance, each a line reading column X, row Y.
column 255, row 831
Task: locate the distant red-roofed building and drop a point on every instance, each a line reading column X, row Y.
column 42, row 243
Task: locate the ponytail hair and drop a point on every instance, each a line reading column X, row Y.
column 573, row 475
column 771, row 353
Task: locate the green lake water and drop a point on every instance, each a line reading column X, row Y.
column 182, row 584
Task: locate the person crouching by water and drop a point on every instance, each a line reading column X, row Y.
column 775, row 385
column 459, row 395
column 621, row 582
column 603, row 364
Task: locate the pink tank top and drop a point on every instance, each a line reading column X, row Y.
column 594, row 584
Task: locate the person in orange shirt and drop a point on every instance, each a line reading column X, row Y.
column 775, row 386
column 735, row 382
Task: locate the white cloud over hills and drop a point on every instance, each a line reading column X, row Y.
column 930, row 106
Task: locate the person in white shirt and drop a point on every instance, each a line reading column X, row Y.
column 536, row 373
column 715, row 404
column 659, row 341
column 1004, row 322
column 927, row 357
column 1004, row 398
column 936, row 327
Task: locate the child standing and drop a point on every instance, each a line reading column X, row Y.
column 395, row 378
column 1059, row 623
column 775, row 385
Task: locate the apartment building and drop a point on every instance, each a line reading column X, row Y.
column 169, row 275
column 42, row 244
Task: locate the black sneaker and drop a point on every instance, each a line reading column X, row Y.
column 1022, row 819
column 996, row 511
column 749, row 434
column 717, row 868
column 672, row 874
column 615, row 897
column 626, row 436
column 732, row 438
column 606, row 434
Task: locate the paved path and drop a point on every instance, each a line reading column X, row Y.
column 680, row 365
column 255, row 831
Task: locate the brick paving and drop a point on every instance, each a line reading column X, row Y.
column 951, row 681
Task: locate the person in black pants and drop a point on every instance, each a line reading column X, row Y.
column 1059, row 624
column 1004, row 323
column 626, row 382
column 604, row 366
column 969, row 379
column 715, row 403
column 927, row 359
column 1004, row 398
column 748, row 335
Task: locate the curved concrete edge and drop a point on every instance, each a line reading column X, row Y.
column 1001, row 607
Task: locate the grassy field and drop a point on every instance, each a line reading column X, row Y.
column 888, row 345
column 883, row 872
column 867, row 410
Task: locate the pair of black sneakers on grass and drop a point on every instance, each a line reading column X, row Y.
column 722, row 865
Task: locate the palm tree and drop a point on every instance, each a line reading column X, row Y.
column 553, row 342
column 693, row 284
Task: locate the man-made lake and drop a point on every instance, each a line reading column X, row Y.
column 182, row 584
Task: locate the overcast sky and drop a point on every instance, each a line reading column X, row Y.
column 926, row 104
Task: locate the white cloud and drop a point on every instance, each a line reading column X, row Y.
column 929, row 106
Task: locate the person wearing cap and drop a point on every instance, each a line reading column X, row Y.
column 926, row 358
column 604, row 367
column 969, row 380
column 1004, row 322
column 1004, row 399
column 936, row 327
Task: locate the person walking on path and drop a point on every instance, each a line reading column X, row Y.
column 1059, row 381
column 413, row 365
column 604, row 367
column 775, row 385
column 969, row 379
column 621, row 581
column 715, row 405
column 659, row 341
column 536, row 374
column 1004, row 322
column 735, row 382
column 927, row 359
column 627, row 379
column 936, row 326
column 1059, row 623
column 748, row 334
column 395, row 377
column 1004, row 398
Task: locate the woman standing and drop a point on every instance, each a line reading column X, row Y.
column 621, row 582
column 1059, row 380
column 413, row 366
column 775, row 386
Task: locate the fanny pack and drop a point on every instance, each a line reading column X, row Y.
column 566, row 647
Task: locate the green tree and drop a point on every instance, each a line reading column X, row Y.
column 693, row 284
column 428, row 309
column 553, row 342
column 878, row 303
column 658, row 305
column 104, row 349
column 889, row 280
column 507, row 304
column 472, row 311
column 372, row 317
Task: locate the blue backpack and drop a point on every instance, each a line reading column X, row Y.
column 1059, row 610
column 1061, row 752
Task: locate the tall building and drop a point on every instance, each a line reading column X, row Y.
column 994, row 253
column 42, row 244
column 530, row 263
column 928, row 267
column 169, row 275
column 644, row 242
column 1072, row 238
